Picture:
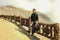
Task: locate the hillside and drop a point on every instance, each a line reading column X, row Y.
column 11, row 10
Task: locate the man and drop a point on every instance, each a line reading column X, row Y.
column 34, row 20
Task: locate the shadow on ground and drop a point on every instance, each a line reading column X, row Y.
column 20, row 29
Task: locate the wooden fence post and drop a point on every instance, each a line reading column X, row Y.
column 56, row 31
column 20, row 21
column 30, row 28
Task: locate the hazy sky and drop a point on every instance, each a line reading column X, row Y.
column 49, row 7
column 40, row 5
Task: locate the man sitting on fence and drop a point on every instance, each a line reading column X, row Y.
column 34, row 22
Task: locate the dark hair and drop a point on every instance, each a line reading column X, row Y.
column 34, row 9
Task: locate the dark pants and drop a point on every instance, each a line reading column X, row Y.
column 34, row 28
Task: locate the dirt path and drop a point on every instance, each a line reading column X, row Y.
column 9, row 31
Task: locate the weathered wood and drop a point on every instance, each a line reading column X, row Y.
column 12, row 17
column 1, row 16
column 17, row 18
column 51, row 29
column 56, row 31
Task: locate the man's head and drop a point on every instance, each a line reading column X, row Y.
column 34, row 10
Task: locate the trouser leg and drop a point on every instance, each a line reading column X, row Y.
column 33, row 30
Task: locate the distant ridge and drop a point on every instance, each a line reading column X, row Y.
column 11, row 10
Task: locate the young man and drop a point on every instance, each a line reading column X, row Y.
column 34, row 20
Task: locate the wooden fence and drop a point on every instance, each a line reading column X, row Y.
column 48, row 30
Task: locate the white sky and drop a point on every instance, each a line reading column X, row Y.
column 40, row 5
column 49, row 7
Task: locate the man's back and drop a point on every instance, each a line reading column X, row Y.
column 34, row 17
column 34, row 21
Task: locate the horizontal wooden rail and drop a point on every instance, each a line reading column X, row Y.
column 48, row 30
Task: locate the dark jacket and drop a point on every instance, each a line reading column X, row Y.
column 34, row 17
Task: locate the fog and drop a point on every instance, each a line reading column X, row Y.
column 49, row 7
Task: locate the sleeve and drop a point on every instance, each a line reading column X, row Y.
column 31, row 17
column 37, row 17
